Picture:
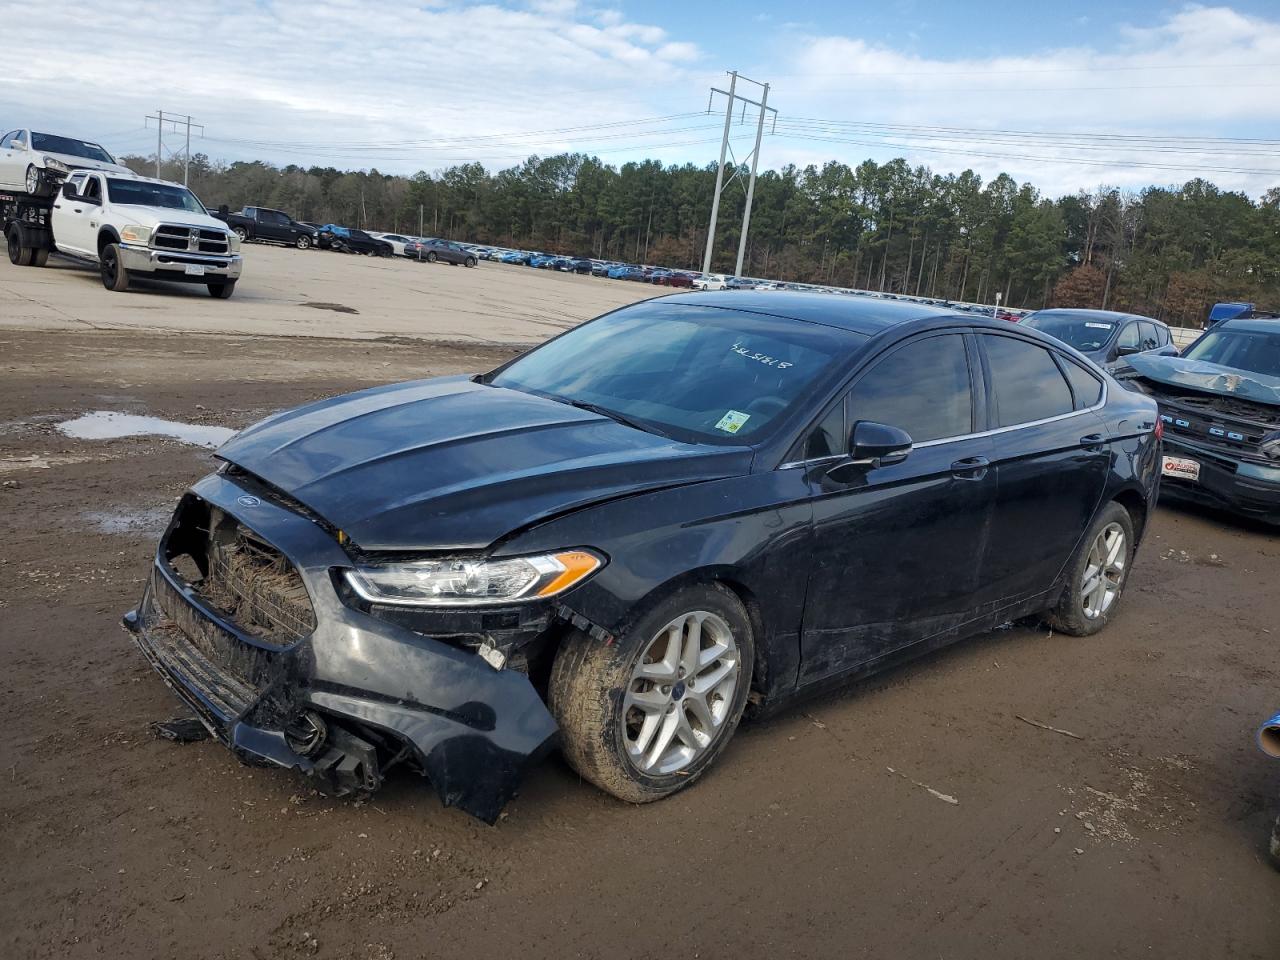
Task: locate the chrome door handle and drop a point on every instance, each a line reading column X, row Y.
column 1092, row 441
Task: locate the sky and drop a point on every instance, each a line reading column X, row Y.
column 1069, row 96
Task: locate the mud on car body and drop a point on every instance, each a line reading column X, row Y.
column 617, row 540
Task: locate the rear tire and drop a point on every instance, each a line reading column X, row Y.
column 222, row 291
column 40, row 257
column 114, row 276
column 1097, row 575
column 613, row 719
column 19, row 255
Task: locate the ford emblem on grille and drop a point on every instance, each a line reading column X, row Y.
column 248, row 501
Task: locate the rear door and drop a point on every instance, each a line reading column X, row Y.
column 897, row 549
column 1051, row 456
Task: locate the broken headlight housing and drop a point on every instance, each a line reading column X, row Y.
column 470, row 583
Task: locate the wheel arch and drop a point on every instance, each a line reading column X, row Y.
column 1135, row 503
column 107, row 235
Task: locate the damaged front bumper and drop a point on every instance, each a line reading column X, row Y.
column 1226, row 480
column 348, row 692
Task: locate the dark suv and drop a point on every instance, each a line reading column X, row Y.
column 618, row 539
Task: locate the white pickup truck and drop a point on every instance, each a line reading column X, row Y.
column 129, row 226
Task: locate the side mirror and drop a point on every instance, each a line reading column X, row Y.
column 69, row 191
column 878, row 444
column 1127, row 351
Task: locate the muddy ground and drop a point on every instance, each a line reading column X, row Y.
column 912, row 816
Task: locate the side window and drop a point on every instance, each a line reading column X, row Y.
column 923, row 388
column 251, row 212
column 1086, row 387
column 19, row 140
column 1162, row 334
column 1129, row 336
column 1149, row 339
column 92, row 189
column 1027, row 384
column 7, row 139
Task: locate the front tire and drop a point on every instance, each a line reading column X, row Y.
column 431, row 256
column 35, row 181
column 470, row 261
column 223, row 290
column 1097, row 576
column 114, row 275
column 303, row 242
column 242, row 233
column 647, row 715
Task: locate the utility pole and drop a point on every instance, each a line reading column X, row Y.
column 725, row 148
column 175, row 122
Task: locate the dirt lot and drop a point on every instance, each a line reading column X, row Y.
column 913, row 816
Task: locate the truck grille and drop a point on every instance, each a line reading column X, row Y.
column 173, row 236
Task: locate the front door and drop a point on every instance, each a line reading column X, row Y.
column 13, row 161
column 897, row 549
column 1051, row 460
column 75, row 219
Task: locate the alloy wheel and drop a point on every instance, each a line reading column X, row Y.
column 1104, row 571
column 680, row 693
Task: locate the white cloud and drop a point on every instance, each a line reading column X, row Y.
column 1206, row 72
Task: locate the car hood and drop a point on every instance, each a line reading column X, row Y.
column 84, row 163
column 449, row 464
column 1208, row 377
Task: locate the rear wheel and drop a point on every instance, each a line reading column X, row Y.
column 223, row 290
column 35, row 182
column 19, row 255
column 40, row 257
column 431, row 256
column 114, row 275
column 1097, row 576
column 646, row 716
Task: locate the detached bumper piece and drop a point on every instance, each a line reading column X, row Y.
column 243, row 622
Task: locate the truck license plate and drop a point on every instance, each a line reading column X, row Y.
column 1180, row 467
column 197, row 270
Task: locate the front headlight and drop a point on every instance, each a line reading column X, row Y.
column 56, row 165
column 136, row 233
column 459, row 583
column 233, row 241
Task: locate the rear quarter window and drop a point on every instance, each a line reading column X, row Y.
column 1086, row 387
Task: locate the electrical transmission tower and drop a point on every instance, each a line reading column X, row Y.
column 177, row 124
column 734, row 98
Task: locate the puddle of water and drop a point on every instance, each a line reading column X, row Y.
column 108, row 425
column 147, row 522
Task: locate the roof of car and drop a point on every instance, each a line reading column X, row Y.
column 1252, row 324
column 865, row 315
column 1114, row 315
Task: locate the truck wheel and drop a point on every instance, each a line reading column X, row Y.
column 303, row 242
column 646, row 716
column 19, row 255
column 431, row 256
column 39, row 257
column 114, row 276
column 1097, row 575
column 242, row 233
column 223, row 290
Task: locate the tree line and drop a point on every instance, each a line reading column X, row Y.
column 1168, row 252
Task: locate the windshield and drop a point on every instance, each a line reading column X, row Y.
column 1250, row 350
column 74, row 148
column 695, row 372
column 1083, row 331
column 140, row 193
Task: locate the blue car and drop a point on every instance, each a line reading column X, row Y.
column 541, row 260
column 635, row 273
column 616, row 272
column 514, row 257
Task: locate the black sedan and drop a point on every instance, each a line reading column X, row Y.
column 1105, row 337
column 351, row 240
column 617, row 540
column 431, row 250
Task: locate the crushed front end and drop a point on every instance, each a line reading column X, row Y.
column 1222, row 451
column 247, row 618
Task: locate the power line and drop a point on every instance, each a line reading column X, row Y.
column 1087, row 68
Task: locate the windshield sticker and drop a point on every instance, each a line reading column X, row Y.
column 732, row 421
column 764, row 358
column 1097, row 326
